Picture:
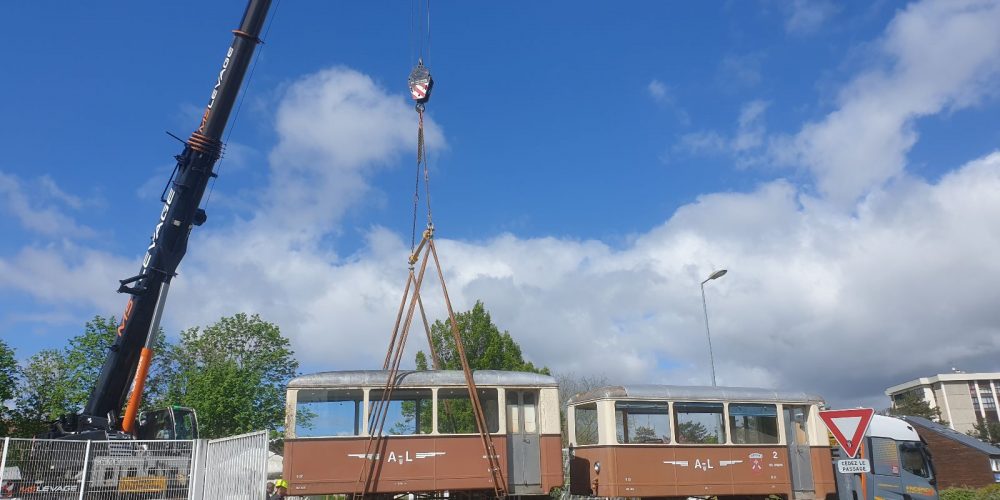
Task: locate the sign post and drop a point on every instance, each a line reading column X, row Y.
column 848, row 427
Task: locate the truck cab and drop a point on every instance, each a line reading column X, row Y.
column 175, row 422
column 900, row 465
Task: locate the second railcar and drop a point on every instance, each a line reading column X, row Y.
column 680, row 441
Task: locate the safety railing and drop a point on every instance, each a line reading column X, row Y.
column 232, row 467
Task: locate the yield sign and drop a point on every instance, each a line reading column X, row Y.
column 848, row 427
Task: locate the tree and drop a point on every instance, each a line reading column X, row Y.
column 694, row 432
column 986, row 431
column 42, row 393
column 57, row 382
column 233, row 373
column 910, row 404
column 485, row 347
column 8, row 380
column 571, row 384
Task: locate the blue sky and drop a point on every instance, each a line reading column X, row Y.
column 591, row 163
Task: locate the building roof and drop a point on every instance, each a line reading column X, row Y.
column 429, row 378
column 941, row 377
column 954, row 435
column 697, row 393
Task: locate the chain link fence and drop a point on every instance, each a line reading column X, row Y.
column 134, row 470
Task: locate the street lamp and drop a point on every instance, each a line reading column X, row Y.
column 718, row 274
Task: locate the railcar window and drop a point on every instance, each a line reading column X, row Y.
column 325, row 412
column 585, row 421
column 455, row 415
column 642, row 422
column 699, row 423
column 409, row 411
column 753, row 423
column 530, row 415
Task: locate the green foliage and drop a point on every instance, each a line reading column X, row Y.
column 233, row 373
column 42, row 393
column 991, row 492
column 57, row 382
column 8, row 381
column 486, row 348
column 958, row 494
column 986, row 431
column 694, row 432
column 910, row 404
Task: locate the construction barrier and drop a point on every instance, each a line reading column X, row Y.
column 117, row 470
column 237, row 467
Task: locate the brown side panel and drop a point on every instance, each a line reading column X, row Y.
column 824, row 480
column 648, row 471
column 551, row 462
column 319, row 466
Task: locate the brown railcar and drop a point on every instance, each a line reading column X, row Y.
column 430, row 442
column 676, row 441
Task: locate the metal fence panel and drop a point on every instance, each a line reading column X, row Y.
column 229, row 468
column 236, row 467
column 37, row 468
column 139, row 469
column 95, row 470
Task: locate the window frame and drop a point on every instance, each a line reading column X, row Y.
column 667, row 412
column 723, row 421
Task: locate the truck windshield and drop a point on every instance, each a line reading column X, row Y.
column 185, row 426
column 913, row 459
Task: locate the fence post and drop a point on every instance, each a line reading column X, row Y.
column 83, row 475
column 3, row 459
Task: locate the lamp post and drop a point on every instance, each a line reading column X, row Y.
column 718, row 274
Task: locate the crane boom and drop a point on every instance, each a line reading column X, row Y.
column 130, row 355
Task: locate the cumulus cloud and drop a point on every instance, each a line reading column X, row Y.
column 39, row 206
column 937, row 56
column 839, row 302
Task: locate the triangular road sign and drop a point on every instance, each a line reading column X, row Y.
column 848, row 427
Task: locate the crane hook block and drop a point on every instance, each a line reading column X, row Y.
column 420, row 83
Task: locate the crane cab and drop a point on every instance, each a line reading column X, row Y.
column 175, row 422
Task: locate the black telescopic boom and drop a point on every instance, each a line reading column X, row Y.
column 179, row 214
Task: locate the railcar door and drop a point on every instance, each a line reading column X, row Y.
column 799, row 453
column 523, row 453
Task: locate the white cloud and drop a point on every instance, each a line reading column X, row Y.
column 67, row 274
column 659, row 91
column 663, row 95
column 35, row 210
column 840, row 302
column 745, row 143
column 807, row 16
column 939, row 56
column 739, row 71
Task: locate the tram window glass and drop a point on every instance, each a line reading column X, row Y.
column 455, row 414
column 585, row 421
column 642, row 422
column 912, row 460
column 885, row 457
column 409, row 411
column 753, row 423
column 699, row 423
column 325, row 412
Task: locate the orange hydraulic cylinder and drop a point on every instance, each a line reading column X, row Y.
column 145, row 358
